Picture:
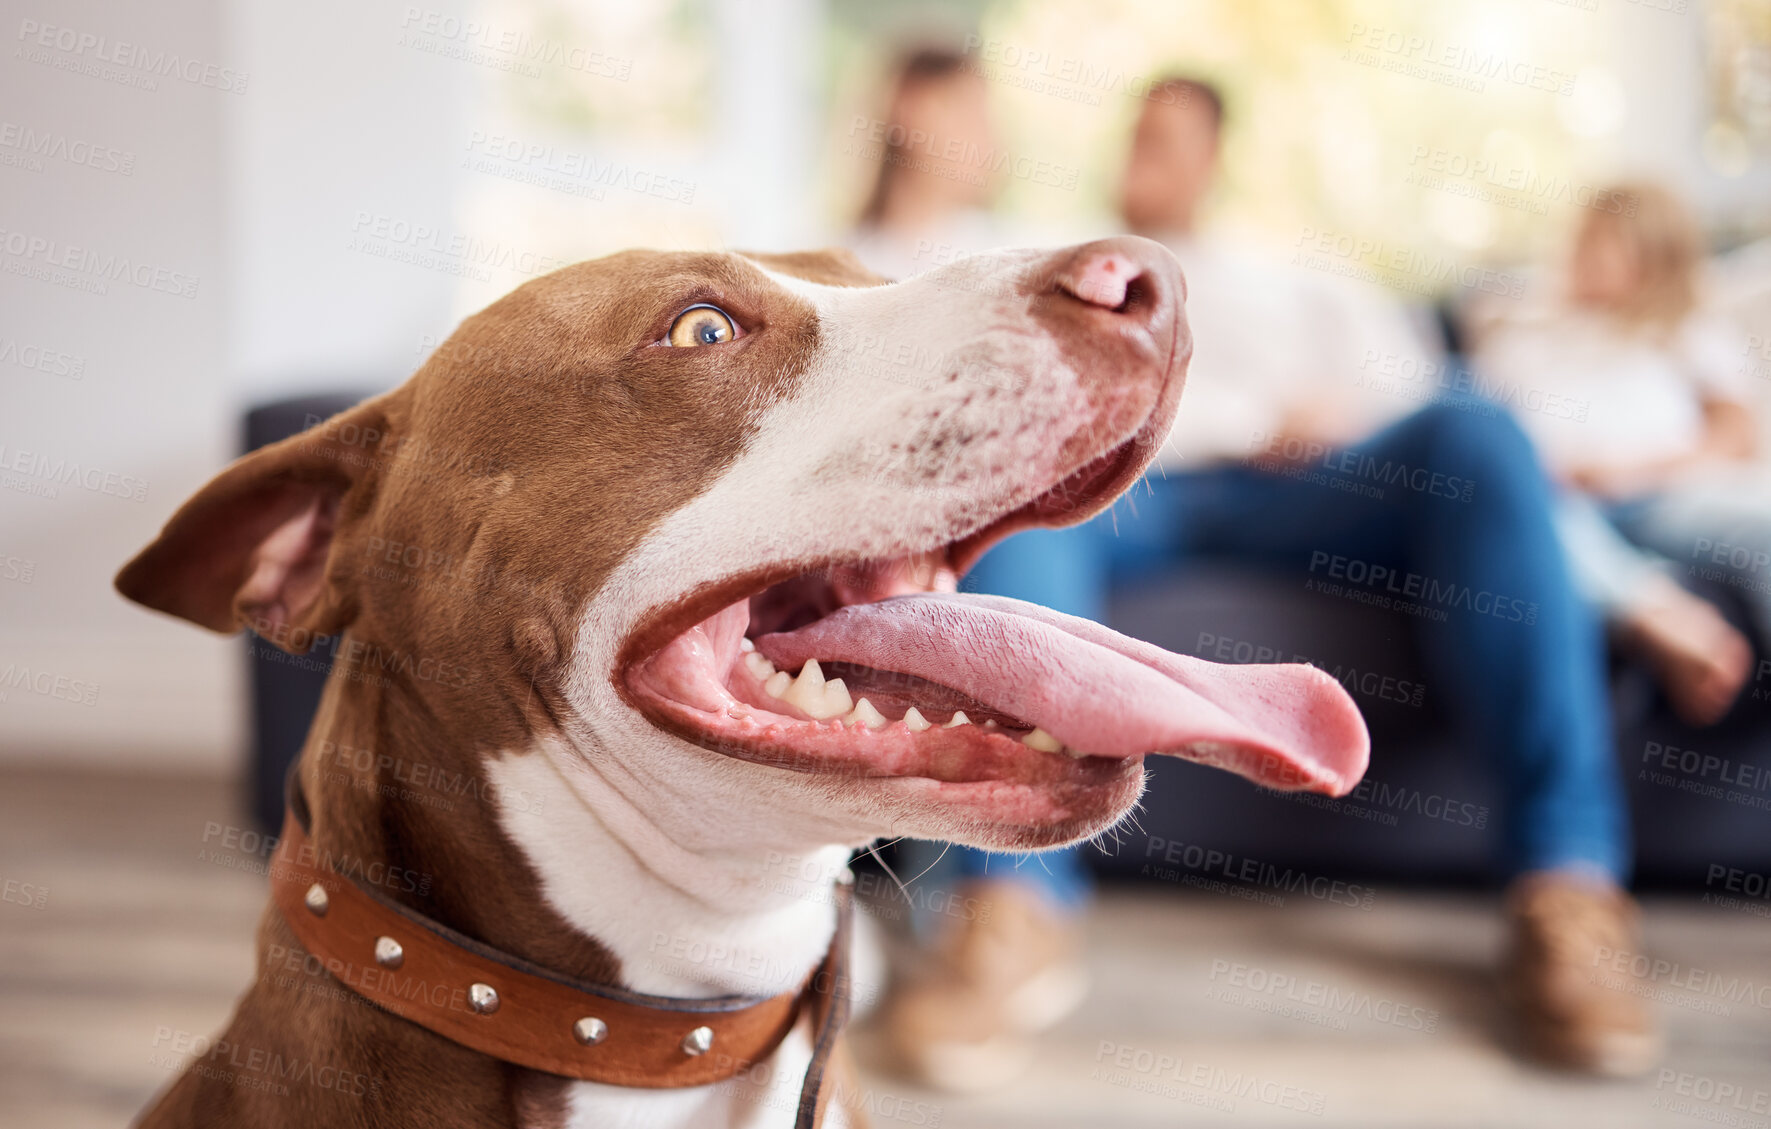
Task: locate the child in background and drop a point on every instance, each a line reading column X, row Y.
column 1650, row 463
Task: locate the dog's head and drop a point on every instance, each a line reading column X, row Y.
column 703, row 514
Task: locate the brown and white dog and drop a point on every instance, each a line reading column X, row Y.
column 568, row 568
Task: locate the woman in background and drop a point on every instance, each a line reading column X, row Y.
column 1652, row 462
column 931, row 197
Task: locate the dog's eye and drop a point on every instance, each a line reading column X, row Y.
column 701, row 325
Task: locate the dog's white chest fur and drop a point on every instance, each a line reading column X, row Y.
column 684, row 916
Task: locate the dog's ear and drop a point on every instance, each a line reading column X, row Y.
column 253, row 547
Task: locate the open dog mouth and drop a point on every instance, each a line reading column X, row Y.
column 880, row 668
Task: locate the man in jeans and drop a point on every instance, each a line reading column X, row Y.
column 1276, row 372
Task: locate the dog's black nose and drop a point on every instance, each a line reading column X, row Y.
column 1127, row 275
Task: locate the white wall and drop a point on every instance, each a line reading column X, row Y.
column 344, row 120
column 254, row 193
column 150, row 404
column 771, row 54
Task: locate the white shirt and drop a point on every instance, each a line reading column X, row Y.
column 1622, row 396
column 1271, row 339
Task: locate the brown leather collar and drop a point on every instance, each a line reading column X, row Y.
column 504, row 1006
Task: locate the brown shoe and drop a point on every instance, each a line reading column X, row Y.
column 1006, row 971
column 1574, row 1010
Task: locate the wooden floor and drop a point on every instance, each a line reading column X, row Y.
column 126, row 920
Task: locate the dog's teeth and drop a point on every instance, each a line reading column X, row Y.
column 807, row 691
column 990, row 723
column 778, row 684
column 1043, row 741
column 836, row 699
column 759, row 666
column 818, row 705
column 865, row 714
column 815, row 697
column 959, row 719
column 746, row 645
column 914, row 721
column 1074, row 754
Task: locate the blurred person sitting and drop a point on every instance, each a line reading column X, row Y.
column 1651, row 461
column 1278, row 358
column 931, row 195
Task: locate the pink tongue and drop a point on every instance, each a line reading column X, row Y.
column 1289, row 727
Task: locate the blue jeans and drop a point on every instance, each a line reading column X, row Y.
column 1501, row 629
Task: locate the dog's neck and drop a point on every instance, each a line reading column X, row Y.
column 668, row 882
column 694, row 894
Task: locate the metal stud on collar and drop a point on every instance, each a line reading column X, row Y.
column 590, row 1030
column 698, row 1042
column 316, row 900
column 483, row 998
column 388, row 953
